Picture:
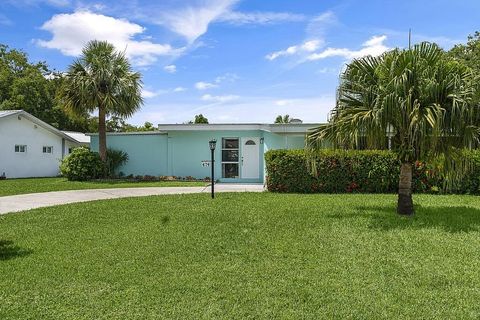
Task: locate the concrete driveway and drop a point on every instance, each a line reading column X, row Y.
column 45, row 199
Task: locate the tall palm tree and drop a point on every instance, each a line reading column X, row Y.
column 102, row 79
column 419, row 95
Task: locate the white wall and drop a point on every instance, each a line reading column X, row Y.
column 33, row 163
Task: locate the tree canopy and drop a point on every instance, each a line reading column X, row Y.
column 282, row 119
column 101, row 80
column 421, row 96
column 33, row 87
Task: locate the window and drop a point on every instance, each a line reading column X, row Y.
column 20, row 148
column 230, row 155
column 250, row 143
column 47, row 149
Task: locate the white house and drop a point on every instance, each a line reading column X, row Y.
column 30, row 147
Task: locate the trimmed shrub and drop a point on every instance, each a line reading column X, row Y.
column 368, row 171
column 82, row 164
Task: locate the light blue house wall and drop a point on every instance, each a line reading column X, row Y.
column 179, row 150
column 189, row 148
column 146, row 152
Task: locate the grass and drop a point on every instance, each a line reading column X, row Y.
column 32, row 185
column 243, row 256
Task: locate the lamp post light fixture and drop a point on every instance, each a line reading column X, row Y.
column 390, row 131
column 212, row 143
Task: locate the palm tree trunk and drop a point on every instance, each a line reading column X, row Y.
column 102, row 134
column 405, row 202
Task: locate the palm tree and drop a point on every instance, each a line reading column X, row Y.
column 102, row 79
column 418, row 94
column 284, row 119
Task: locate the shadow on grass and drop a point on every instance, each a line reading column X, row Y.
column 451, row 219
column 10, row 251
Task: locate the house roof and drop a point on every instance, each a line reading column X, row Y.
column 43, row 124
column 139, row 133
column 78, row 136
column 4, row 113
column 275, row 128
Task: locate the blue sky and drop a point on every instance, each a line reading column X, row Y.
column 233, row 60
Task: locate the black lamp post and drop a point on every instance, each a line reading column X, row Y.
column 212, row 144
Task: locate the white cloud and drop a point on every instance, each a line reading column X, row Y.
column 148, row 94
column 72, row 31
column 201, row 85
column 265, row 110
column 374, row 46
column 192, row 21
column 307, row 46
column 219, row 99
column 239, row 18
column 241, row 110
column 4, row 20
column 284, row 102
column 327, row 70
column 318, row 26
column 315, row 37
column 171, row 68
column 227, row 77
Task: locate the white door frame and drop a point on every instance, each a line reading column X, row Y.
column 250, row 158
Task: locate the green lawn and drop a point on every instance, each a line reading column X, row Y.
column 20, row 186
column 251, row 255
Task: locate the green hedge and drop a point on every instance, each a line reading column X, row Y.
column 340, row 171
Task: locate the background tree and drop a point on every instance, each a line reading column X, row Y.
column 102, row 79
column 469, row 53
column 199, row 118
column 282, row 119
column 33, row 88
column 424, row 96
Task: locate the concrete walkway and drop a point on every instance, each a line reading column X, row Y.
column 45, row 199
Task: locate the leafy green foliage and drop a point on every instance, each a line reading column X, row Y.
column 117, row 124
column 243, row 256
column 421, row 97
column 102, row 79
column 115, row 159
column 33, row 88
column 200, row 119
column 337, row 171
column 82, row 164
column 420, row 94
column 282, row 119
column 468, row 53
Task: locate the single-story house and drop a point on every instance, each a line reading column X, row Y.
column 31, row 147
column 182, row 150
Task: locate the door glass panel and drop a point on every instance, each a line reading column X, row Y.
column 230, row 143
column 230, row 155
column 230, row 170
column 250, row 143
